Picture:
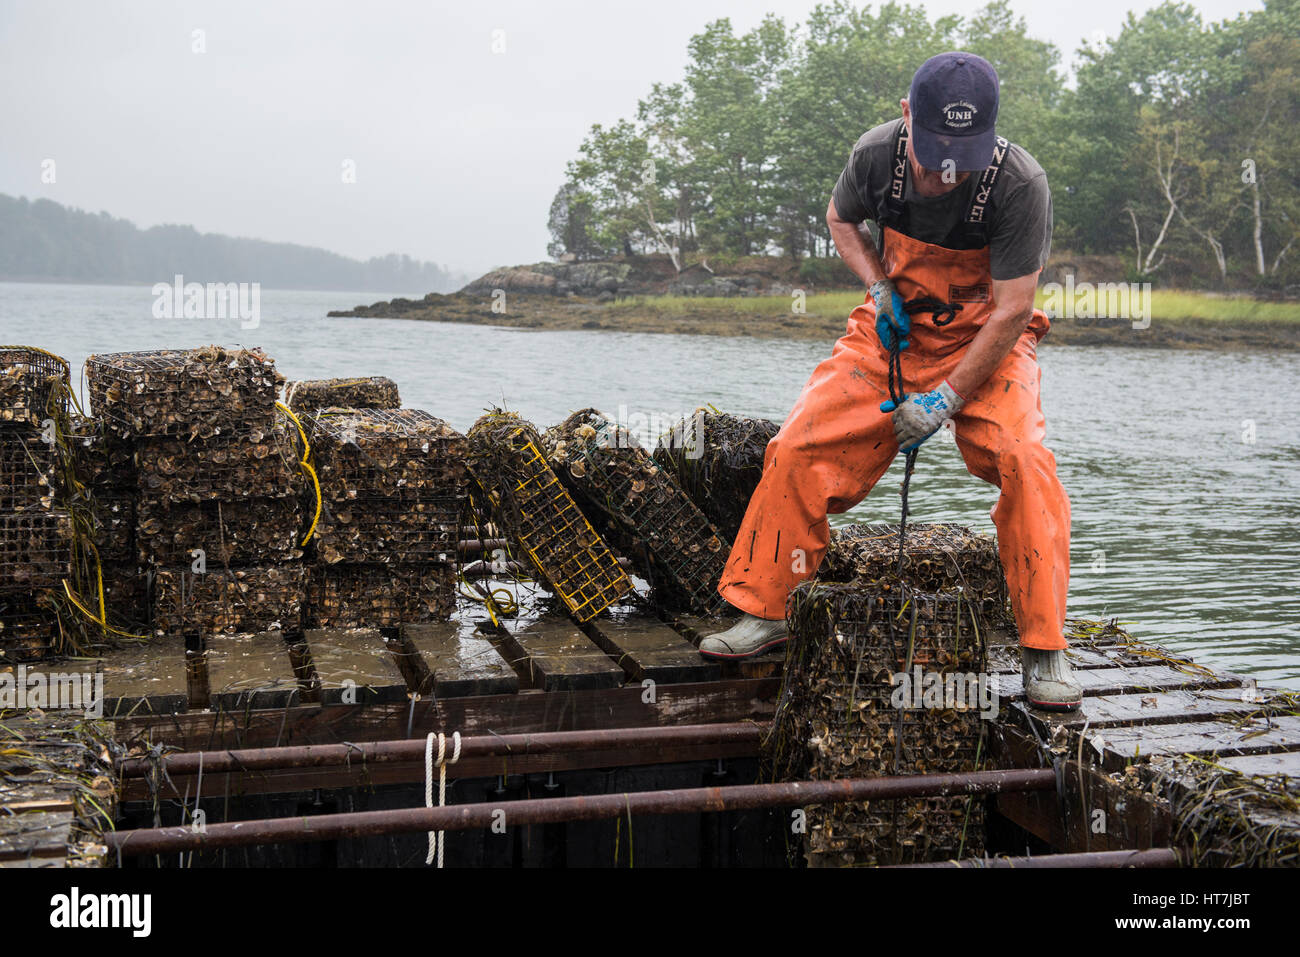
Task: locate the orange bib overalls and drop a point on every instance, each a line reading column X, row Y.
column 836, row 444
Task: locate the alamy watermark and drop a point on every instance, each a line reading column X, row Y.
column 52, row 691
column 932, row 690
column 214, row 300
column 633, row 429
column 1102, row 300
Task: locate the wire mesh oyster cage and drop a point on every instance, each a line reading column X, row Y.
column 259, row 461
column 192, row 392
column 607, row 470
column 126, row 594
column 112, row 516
column 35, row 549
column 242, row 532
column 937, row 557
column 884, row 682
column 229, row 600
column 387, row 454
column 27, row 629
column 29, row 471
column 717, row 459
column 528, row 502
column 34, row 386
column 369, row 392
column 373, row 596
column 390, row 531
column 101, row 458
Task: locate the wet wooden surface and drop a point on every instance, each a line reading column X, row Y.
column 52, row 768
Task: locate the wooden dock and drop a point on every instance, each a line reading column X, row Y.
column 1157, row 733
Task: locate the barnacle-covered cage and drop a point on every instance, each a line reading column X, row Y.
column 29, row 470
column 372, row 596
column 239, row 532
column 717, row 459
column 101, row 458
column 35, row 549
column 191, row 392
column 382, row 532
column 228, row 600
column 388, row 454
column 255, row 461
column 394, row 486
column 370, row 392
column 937, row 557
column 34, row 386
column 879, row 683
column 27, row 628
column 528, row 502
column 608, row 471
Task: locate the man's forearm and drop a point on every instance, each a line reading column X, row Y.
column 987, row 350
column 857, row 251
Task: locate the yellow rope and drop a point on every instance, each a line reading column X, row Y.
column 304, row 462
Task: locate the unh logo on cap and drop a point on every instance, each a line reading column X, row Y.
column 959, row 114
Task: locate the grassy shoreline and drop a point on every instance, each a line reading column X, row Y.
column 1178, row 319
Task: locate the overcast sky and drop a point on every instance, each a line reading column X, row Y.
column 458, row 149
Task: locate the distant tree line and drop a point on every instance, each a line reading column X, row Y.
column 1175, row 149
column 43, row 240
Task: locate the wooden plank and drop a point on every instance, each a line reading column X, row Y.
column 1167, row 707
column 144, row 676
column 1094, row 813
column 461, row 660
column 553, row 654
column 527, row 711
column 1116, row 681
column 646, row 648
column 354, row 661
column 1124, row 745
column 1006, row 660
column 1287, row 763
column 250, row 671
column 39, row 834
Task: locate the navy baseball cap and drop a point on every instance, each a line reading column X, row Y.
column 954, row 103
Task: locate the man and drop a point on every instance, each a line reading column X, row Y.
column 965, row 221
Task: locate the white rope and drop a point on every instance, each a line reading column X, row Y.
column 436, row 838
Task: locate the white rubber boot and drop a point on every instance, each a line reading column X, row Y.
column 748, row 637
column 1049, row 682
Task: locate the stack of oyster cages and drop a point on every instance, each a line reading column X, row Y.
column 35, row 533
column 394, row 489
column 219, row 519
column 105, row 469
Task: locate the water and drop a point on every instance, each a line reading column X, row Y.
column 1182, row 528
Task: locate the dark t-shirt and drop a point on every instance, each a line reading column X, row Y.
column 1020, row 219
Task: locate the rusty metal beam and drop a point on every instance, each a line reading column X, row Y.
column 412, row 749
column 466, row 817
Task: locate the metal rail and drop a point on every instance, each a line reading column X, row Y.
column 412, row 749
column 586, row 808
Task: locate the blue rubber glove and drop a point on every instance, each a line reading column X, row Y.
column 923, row 413
column 891, row 318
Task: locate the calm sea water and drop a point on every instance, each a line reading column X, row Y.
column 1183, row 529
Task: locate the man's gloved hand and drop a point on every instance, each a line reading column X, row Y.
column 922, row 414
column 891, row 318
